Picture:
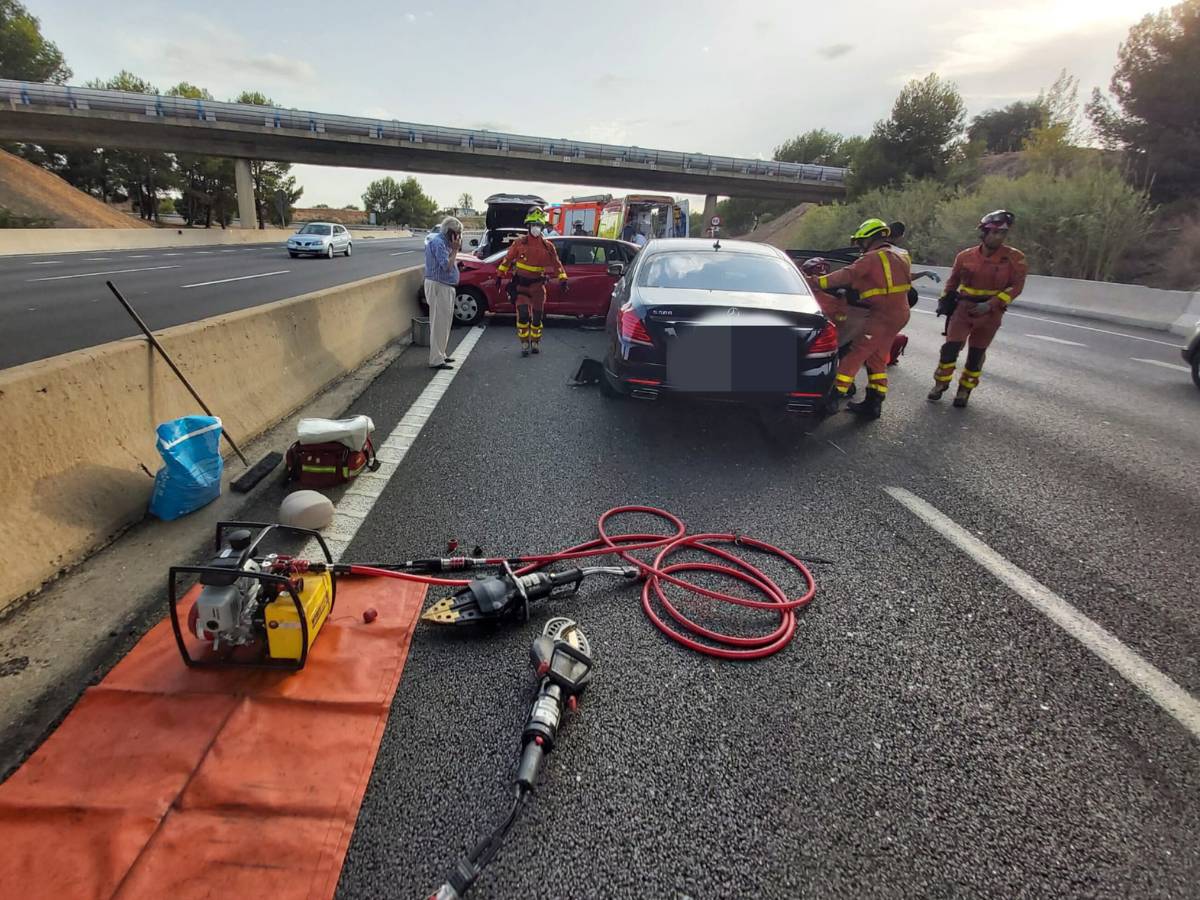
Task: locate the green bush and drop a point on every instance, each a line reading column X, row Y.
column 1077, row 225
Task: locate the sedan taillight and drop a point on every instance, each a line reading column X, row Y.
column 632, row 328
column 825, row 343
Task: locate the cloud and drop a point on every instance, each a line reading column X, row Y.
column 410, row 17
column 610, row 81
column 833, row 51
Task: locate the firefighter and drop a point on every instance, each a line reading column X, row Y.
column 881, row 277
column 533, row 260
column 984, row 281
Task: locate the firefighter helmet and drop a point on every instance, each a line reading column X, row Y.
column 998, row 218
column 536, row 216
column 870, row 229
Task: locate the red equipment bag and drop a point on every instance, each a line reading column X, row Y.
column 331, row 451
column 898, row 345
column 327, row 464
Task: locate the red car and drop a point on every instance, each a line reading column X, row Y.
column 586, row 260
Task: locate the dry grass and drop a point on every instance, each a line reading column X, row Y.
column 30, row 191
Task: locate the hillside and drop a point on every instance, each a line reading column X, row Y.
column 779, row 230
column 30, row 191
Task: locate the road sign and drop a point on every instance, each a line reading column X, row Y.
column 715, row 221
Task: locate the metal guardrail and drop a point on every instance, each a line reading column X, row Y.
column 20, row 93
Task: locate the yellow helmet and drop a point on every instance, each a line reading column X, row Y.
column 536, row 216
column 871, row 228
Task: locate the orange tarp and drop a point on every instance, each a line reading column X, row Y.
column 166, row 781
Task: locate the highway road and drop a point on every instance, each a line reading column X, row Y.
column 57, row 303
column 993, row 694
column 934, row 730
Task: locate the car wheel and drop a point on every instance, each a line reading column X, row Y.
column 469, row 307
column 292, row 255
column 1196, row 368
column 329, row 251
column 349, row 250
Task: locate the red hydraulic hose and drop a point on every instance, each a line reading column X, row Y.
column 689, row 633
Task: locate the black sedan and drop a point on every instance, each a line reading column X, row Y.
column 728, row 319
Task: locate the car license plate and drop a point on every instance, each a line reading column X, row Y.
column 747, row 359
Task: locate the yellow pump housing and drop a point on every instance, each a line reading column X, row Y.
column 284, row 632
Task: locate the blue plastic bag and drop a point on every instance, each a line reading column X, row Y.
column 191, row 477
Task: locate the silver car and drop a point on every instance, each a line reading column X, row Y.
column 1191, row 354
column 320, row 239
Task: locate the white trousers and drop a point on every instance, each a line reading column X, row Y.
column 440, row 298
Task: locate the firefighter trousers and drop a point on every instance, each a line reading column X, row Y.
column 974, row 331
column 531, row 308
column 888, row 314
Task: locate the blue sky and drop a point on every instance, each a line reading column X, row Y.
column 703, row 76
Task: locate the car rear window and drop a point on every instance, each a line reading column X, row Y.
column 721, row 270
column 315, row 229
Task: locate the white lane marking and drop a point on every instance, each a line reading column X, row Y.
column 1132, row 337
column 1054, row 340
column 109, row 272
column 172, row 254
column 924, row 312
column 202, row 252
column 1129, row 665
column 356, row 504
column 52, row 262
column 402, row 252
column 139, row 256
column 230, row 251
column 1165, row 365
column 97, row 258
column 239, row 278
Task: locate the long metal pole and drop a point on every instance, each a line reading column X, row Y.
column 159, row 347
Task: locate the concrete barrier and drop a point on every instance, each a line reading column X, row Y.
column 1127, row 304
column 79, row 428
column 19, row 241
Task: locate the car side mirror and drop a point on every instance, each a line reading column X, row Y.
column 616, row 269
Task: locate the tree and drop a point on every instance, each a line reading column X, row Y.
column 206, row 183
column 399, row 202
column 322, row 206
column 25, row 55
column 144, row 175
column 818, row 146
column 1006, row 130
column 353, row 206
column 919, row 140
column 381, row 196
column 466, row 201
column 1158, row 105
column 273, row 186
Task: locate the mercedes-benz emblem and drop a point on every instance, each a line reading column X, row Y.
column 733, row 310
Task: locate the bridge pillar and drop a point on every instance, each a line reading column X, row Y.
column 245, row 193
column 710, row 209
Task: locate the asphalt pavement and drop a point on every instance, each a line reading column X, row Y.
column 56, row 303
column 928, row 733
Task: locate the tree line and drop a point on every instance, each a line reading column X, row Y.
column 199, row 188
column 1092, row 188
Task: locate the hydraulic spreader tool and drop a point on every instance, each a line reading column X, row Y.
column 562, row 661
column 261, row 608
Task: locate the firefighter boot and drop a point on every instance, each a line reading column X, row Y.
column 961, row 398
column 939, row 388
column 870, row 407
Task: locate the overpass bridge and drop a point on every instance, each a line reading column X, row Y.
column 58, row 114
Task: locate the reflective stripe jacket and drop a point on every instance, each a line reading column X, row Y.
column 978, row 276
column 880, row 272
column 532, row 257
